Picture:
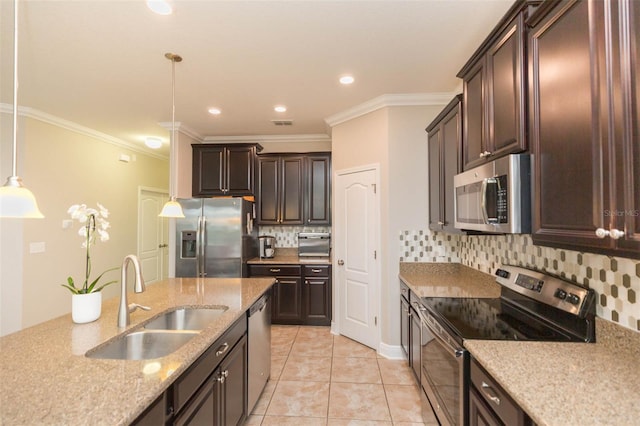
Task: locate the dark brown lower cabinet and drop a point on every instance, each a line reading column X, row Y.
column 213, row 390
column 414, row 344
column 301, row 295
column 490, row 404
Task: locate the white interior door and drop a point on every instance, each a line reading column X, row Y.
column 356, row 231
column 153, row 236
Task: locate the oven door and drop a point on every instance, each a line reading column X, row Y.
column 444, row 374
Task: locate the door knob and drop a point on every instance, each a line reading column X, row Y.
column 340, row 262
column 163, row 245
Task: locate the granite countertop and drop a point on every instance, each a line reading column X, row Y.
column 289, row 256
column 448, row 280
column 46, row 379
column 569, row 383
column 555, row 383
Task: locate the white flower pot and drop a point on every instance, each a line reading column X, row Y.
column 86, row 307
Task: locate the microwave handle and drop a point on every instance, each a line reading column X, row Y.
column 483, row 203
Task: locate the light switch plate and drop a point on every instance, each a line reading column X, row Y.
column 38, row 247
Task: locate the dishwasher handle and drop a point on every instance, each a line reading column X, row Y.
column 259, row 305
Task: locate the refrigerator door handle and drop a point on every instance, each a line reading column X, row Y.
column 203, row 235
column 199, row 247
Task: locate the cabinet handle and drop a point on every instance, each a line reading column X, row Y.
column 274, row 270
column 601, row 233
column 316, row 271
column 287, row 282
column 222, row 349
column 485, row 154
column 489, row 393
column 441, row 223
column 221, row 378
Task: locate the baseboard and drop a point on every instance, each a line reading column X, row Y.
column 391, row 351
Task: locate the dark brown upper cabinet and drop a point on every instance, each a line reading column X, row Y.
column 294, row 189
column 584, row 131
column 494, row 88
column 445, row 142
column 318, row 196
column 280, row 190
column 223, row 169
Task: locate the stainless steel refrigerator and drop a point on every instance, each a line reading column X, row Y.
column 216, row 237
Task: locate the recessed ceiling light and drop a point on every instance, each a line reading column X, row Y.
column 161, row 7
column 346, row 79
column 280, row 108
column 153, row 142
column 214, row 111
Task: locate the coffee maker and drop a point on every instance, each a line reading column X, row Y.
column 267, row 246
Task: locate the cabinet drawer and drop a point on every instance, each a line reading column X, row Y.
column 274, row 270
column 197, row 374
column 495, row 397
column 316, row 271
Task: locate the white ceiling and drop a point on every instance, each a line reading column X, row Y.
column 101, row 64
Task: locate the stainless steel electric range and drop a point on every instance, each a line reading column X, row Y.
column 532, row 307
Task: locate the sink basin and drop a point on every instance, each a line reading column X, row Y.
column 146, row 344
column 186, row 319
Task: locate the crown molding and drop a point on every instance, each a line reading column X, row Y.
column 77, row 128
column 181, row 128
column 390, row 100
column 320, row 137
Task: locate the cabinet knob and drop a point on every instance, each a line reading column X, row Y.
column 616, row 234
column 485, row 154
column 601, row 233
column 441, row 223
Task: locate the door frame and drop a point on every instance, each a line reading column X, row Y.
column 165, row 195
column 338, row 275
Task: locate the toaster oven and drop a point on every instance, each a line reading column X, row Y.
column 314, row 244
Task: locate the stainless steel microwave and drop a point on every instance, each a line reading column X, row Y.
column 495, row 197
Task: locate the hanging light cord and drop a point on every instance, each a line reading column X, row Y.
column 14, row 172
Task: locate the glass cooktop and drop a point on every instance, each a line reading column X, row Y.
column 491, row 319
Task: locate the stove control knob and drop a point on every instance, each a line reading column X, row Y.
column 573, row 299
column 502, row 273
column 560, row 294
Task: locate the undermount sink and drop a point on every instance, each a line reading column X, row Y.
column 186, row 319
column 146, row 344
column 160, row 336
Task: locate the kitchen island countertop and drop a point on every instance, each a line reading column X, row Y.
column 46, row 379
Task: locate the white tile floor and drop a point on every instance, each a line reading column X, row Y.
column 321, row 379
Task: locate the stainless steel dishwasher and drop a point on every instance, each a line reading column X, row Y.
column 259, row 348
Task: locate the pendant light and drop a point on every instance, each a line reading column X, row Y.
column 172, row 208
column 16, row 201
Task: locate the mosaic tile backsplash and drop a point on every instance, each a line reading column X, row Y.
column 287, row 236
column 615, row 280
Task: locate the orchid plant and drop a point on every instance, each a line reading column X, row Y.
column 94, row 227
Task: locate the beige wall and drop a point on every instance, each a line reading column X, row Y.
column 394, row 138
column 62, row 168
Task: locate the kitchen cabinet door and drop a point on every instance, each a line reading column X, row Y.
column 444, row 145
column 405, row 318
column 317, row 294
column 280, row 190
column 318, row 193
column 232, row 383
column 287, row 301
column 495, row 92
column 583, row 130
column 223, row 169
column 626, row 216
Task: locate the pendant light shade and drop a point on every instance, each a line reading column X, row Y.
column 172, row 208
column 16, row 201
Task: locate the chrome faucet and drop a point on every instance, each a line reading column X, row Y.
column 139, row 287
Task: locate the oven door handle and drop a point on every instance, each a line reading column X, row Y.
column 456, row 352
